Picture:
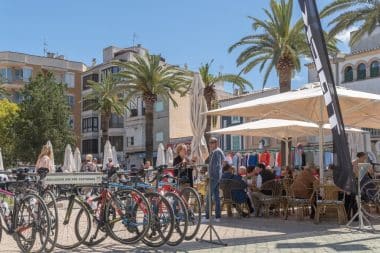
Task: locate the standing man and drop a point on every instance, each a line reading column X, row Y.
column 216, row 159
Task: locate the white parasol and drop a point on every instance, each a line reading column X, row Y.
column 77, row 160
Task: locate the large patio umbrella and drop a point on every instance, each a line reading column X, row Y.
column 169, row 156
column 160, row 155
column 278, row 129
column 107, row 153
column 114, row 156
column 77, row 160
column 359, row 109
column 198, row 120
column 48, row 143
column 68, row 160
column 1, row 161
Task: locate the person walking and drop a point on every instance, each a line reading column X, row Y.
column 44, row 159
column 216, row 159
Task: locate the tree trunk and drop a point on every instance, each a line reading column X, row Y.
column 285, row 78
column 208, row 119
column 105, row 119
column 149, row 130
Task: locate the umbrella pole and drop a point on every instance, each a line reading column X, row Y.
column 287, row 151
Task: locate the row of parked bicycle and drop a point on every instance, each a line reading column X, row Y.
column 41, row 217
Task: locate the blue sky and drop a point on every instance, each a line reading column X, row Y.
column 191, row 32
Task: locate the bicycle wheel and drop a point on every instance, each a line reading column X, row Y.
column 51, row 204
column 98, row 232
column 194, row 212
column 162, row 220
column 180, row 218
column 32, row 224
column 127, row 216
column 69, row 214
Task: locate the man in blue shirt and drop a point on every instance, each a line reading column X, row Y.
column 216, row 159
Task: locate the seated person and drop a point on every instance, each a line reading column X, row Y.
column 303, row 186
column 239, row 196
column 263, row 175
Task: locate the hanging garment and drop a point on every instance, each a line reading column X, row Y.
column 278, row 159
column 253, row 160
column 265, row 158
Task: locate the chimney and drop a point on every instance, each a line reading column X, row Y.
column 138, row 45
column 93, row 63
column 50, row 55
column 186, row 66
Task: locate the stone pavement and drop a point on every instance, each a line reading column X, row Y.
column 255, row 235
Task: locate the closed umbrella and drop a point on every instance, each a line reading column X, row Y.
column 77, row 160
column 52, row 155
column 107, row 153
column 359, row 109
column 68, row 161
column 160, row 155
column 169, row 156
column 279, row 129
column 198, row 120
column 1, row 161
column 114, row 156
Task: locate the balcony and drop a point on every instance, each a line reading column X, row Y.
column 374, row 132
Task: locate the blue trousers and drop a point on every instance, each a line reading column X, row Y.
column 215, row 197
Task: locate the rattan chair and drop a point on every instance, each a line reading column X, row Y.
column 227, row 186
column 328, row 197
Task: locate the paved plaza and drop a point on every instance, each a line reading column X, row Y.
column 255, row 235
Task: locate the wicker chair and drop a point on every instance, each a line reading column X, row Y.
column 328, row 197
column 300, row 205
column 264, row 200
column 227, row 186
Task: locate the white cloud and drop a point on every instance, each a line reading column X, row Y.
column 344, row 36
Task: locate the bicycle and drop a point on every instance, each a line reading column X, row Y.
column 28, row 219
column 162, row 214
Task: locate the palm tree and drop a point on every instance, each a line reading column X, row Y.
column 150, row 77
column 209, row 92
column 365, row 13
column 276, row 44
column 106, row 97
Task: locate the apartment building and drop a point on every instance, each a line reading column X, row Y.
column 127, row 132
column 17, row 69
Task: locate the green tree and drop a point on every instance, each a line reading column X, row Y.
column 365, row 13
column 209, row 92
column 8, row 117
column 107, row 98
column 44, row 115
column 276, row 44
column 150, row 77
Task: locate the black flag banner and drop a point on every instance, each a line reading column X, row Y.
column 343, row 173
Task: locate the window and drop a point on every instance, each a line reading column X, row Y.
column 117, row 141
column 133, row 107
column 130, row 141
column 90, row 146
column 6, row 75
column 70, row 79
column 18, row 75
column 348, row 74
column 71, row 121
column 235, row 142
column 110, row 70
column 361, row 72
column 235, row 119
column 58, row 77
column 26, row 74
column 116, row 121
column 92, row 77
column 70, row 100
column 159, row 136
column 159, row 106
column 374, row 69
column 90, row 124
